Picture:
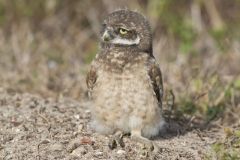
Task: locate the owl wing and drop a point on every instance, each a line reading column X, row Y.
column 91, row 78
column 156, row 79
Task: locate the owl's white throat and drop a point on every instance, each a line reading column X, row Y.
column 119, row 40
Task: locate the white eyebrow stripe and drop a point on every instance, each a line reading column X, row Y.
column 126, row 41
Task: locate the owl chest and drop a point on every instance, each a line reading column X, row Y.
column 122, row 92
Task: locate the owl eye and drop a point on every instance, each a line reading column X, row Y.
column 123, row 31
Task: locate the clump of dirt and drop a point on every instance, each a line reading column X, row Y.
column 32, row 127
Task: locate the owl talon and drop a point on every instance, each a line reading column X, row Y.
column 112, row 144
column 154, row 152
column 121, row 143
column 144, row 150
column 149, row 149
column 116, row 140
column 148, row 152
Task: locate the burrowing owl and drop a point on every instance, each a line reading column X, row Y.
column 125, row 81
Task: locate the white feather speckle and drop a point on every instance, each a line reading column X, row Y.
column 125, row 41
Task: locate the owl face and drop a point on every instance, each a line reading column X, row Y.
column 126, row 28
column 119, row 34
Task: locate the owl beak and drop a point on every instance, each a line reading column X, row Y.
column 107, row 36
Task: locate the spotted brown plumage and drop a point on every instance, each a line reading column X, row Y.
column 156, row 78
column 125, row 80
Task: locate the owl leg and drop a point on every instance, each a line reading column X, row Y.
column 117, row 138
column 152, row 148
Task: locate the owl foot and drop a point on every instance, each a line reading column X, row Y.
column 149, row 149
column 116, row 139
column 150, row 152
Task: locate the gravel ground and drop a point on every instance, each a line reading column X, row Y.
column 32, row 127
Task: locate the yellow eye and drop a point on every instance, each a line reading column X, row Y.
column 123, row 31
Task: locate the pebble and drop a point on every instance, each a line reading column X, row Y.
column 86, row 140
column 99, row 153
column 17, row 130
column 77, row 116
column 46, row 141
column 56, row 147
column 87, row 111
column 80, row 127
column 73, row 145
column 121, row 151
column 78, row 152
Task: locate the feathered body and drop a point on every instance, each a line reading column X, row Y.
column 124, row 80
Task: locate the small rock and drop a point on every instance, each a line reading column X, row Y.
column 99, row 154
column 73, row 145
column 79, row 151
column 46, row 141
column 86, row 140
column 42, row 109
column 17, row 130
column 77, row 116
column 80, row 127
column 1, row 147
column 56, row 147
column 88, row 111
column 121, row 152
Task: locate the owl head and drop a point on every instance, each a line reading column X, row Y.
column 125, row 28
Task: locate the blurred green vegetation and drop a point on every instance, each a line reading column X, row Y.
column 174, row 18
column 228, row 147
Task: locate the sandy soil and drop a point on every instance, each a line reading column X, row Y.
column 32, row 127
